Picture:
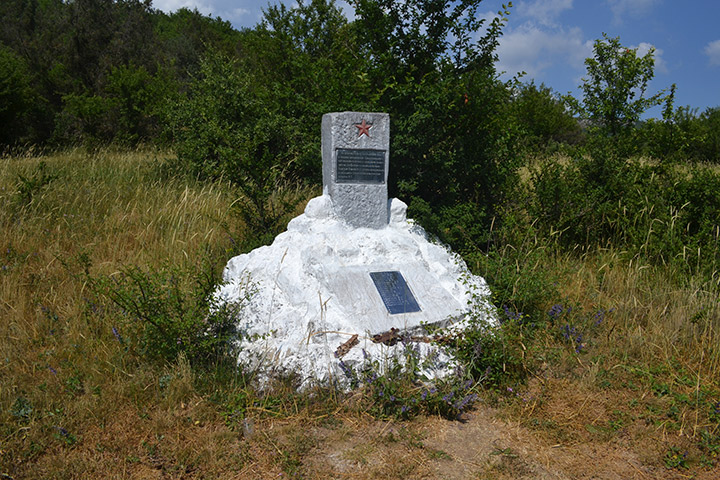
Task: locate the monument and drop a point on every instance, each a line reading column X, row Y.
column 355, row 155
column 350, row 270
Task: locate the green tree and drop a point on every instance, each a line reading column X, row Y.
column 614, row 92
column 710, row 124
column 309, row 55
column 432, row 67
column 228, row 127
column 543, row 116
column 16, row 96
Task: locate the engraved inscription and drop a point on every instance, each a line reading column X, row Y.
column 360, row 166
column 395, row 293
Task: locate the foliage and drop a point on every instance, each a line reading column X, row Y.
column 399, row 388
column 647, row 209
column 226, row 127
column 683, row 135
column 544, row 117
column 614, row 90
column 84, row 59
column 28, row 186
column 453, row 144
column 308, row 54
column 125, row 112
column 16, row 96
column 171, row 311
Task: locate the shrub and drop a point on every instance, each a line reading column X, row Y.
column 226, row 127
column 171, row 311
column 544, row 118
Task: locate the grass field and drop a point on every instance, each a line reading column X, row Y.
column 624, row 385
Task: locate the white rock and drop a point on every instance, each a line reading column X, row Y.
column 310, row 291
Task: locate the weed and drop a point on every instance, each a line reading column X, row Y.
column 710, row 446
column 28, row 186
column 675, row 458
column 21, row 409
column 401, row 389
column 171, row 311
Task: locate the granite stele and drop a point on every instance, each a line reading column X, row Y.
column 351, row 275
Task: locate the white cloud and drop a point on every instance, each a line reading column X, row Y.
column 533, row 50
column 632, row 8
column 644, row 48
column 174, row 5
column 712, row 50
column 544, row 12
column 234, row 15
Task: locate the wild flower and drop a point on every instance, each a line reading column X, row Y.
column 512, row 315
column 370, row 377
column 571, row 334
column 468, row 399
column 347, row 371
column 555, row 311
column 116, row 334
column 715, row 413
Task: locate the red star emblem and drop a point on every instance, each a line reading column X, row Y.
column 363, row 128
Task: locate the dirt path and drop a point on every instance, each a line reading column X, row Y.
column 483, row 446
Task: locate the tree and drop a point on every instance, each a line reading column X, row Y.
column 543, row 116
column 432, row 68
column 614, row 92
column 16, row 96
column 228, row 127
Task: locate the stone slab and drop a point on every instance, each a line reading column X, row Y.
column 353, row 291
column 356, row 157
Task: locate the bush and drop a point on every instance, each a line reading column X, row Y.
column 226, row 127
column 544, row 117
column 16, row 97
column 171, row 311
column 652, row 211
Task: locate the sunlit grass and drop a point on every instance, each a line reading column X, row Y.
column 77, row 401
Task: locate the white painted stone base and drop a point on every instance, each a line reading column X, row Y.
column 310, row 291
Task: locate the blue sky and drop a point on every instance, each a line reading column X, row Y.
column 549, row 39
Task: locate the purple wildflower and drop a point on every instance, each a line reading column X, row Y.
column 555, row 311
column 599, row 317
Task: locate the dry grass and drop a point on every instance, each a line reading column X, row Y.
column 76, row 403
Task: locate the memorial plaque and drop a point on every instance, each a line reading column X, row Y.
column 395, row 293
column 360, row 166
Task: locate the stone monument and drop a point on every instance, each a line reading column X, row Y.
column 351, row 272
column 355, row 155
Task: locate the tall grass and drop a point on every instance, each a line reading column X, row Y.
column 78, row 399
column 67, row 374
